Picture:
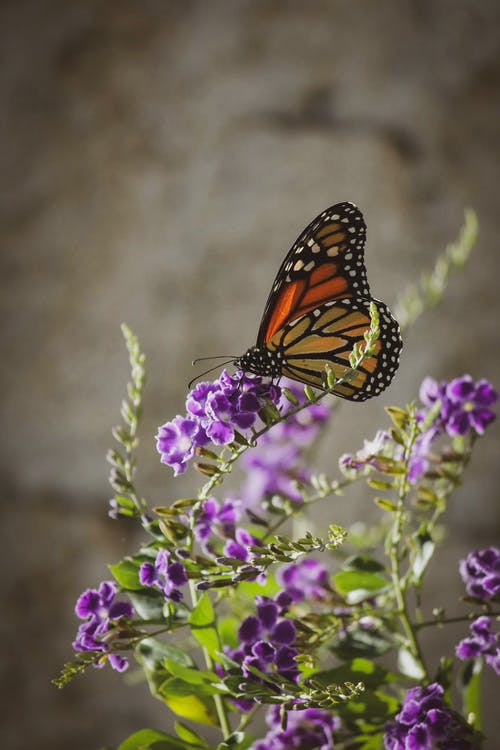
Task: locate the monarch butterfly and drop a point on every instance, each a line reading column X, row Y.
column 319, row 307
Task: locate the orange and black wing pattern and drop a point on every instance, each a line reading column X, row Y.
column 324, row 263
column 319, row 307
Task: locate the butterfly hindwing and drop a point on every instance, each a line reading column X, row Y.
column 326, row 336
column 325, row 262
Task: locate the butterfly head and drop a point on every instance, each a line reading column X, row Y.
column 260, row 361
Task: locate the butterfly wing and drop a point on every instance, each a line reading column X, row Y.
column 326, row 262
column 326, row 335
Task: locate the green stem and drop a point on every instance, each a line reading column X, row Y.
column 450, row 620
column 220, row 706
column 395, row 556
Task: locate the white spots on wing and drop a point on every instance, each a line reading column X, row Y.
column 333, row 251
column 298, row 265
column 309, row 266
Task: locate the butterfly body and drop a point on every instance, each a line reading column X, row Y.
column 319, row 307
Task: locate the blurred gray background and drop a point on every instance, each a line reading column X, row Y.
column 158, row 159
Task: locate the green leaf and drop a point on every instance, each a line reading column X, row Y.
column 359, row 670
column 424, row 550
column 192, row 707
column 126, row 573
column 357, row 585
column 399, row 416
column 148, row 603
column 202, row 621
column 151, row 739
column 408, row 664
column 363, row 563
column 153, row 654
column 189, row 735
column 470, row 679
column 372, row 706
column 190, row 675
column 174, row 686
column 361, row 643
column 385, row 504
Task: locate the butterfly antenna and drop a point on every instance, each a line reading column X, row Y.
column 219, row 356
column 211, row 369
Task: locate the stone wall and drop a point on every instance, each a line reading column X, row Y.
column 159, row 157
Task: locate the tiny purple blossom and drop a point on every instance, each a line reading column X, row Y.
column 214, row 411
column 267, row 643
column 215, row 518
column 100, row 610
column 177, row 442
column 306, row 579
column 482, row 642
column 239, row 547
column 480, row 572
column 426, row 723
column 169, row 576
column 465, row 405
column 309, row 728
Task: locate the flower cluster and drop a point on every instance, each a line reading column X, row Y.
column 267, row 642
column 310, row 728
column 214, row 411
column 481, row 642
column 426, row 723
column 465, row 405
column 276, row 465
column 481, row 573
column 100, row 611
column 167, row 575
column 306, row 579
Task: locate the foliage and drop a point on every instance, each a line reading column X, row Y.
column 228, row 617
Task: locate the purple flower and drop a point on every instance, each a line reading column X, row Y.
column 239, row 547
column 214, row 411
column 426, row 723
column 465, row 405
column 481, row 573
column 273, row 468
column 311, row 729
column 482, row 642
column 419, row 459
column 177, row 442
column 164, row 574
column 266, row 643
column 216, row 518
column 306, row 579
column 100, row 611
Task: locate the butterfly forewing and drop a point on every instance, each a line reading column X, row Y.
column 324, row 263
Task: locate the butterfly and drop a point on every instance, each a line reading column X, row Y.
column 319, row 307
